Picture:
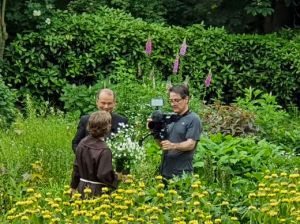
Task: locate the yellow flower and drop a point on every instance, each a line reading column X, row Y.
column 55, row 220
column 196, row 203
column 292, row 186
column 128, row 181
column 274, row 175
column 264, row 209
column 251, row 207
column 24, row 218
column 158, row 177
column 10, row 217
column 160, row 186
column 274, row 204
column 160, row 195
column 154, row 217
column 57, row 199
column 179, row 202
column 273, row 213
column 30, row 190
column 225, row 203
column 46, row 216
column 218, row 220
column 141, row 194
column 180, row 211
column 234, row 210
column 105, row 189
column 219, row 194
column 294, row 175
column 234, row 218
column 76, row 195
column 195, row 185
column 196, row 176
column 251, row 195
column 88, row 190
column 173, row 192
column 142, row 184
column 54, row 205
column 274, row 185
column 283, row 174
column 120, row 190
column 193, row 222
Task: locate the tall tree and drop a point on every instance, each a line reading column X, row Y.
column 3, row 33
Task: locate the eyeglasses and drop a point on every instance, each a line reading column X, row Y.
column 175, row 100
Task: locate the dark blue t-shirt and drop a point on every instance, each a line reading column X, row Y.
column 175, row 162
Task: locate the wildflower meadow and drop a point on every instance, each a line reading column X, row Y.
column 244, row 87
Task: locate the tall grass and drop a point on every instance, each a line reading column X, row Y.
column 38, row 139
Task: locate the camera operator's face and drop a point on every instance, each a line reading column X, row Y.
column 179, row 105
column 106, row 102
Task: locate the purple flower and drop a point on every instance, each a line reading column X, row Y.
column 183, row 48
column 148, row 47
column 208, row 79
column 176, row 64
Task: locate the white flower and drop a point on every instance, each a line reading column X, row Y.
column 48, row 21
column 49, row 6
column 37, row 12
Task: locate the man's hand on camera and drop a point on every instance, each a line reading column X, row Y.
column 167, row 145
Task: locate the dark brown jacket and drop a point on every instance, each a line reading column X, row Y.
column 93, row 163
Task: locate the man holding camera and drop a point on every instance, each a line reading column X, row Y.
column 182, row 135
column 106, row 101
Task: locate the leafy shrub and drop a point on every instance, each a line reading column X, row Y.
column 226, row 156
column 275, row 124
column 85, row 48
column 7, row 105
column 230, row 120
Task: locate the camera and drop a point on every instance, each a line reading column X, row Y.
column 160, row 120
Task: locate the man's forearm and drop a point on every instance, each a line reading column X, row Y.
column 187, row 145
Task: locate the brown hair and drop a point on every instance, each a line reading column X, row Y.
column 182, row 90
column 99, row 124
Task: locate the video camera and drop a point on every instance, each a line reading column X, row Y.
column 160, row 120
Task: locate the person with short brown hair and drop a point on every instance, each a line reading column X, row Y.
column 93, row 164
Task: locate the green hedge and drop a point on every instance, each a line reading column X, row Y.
column 87, row 48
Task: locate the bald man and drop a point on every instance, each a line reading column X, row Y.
column 106, row 100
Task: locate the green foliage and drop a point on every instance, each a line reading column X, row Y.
column 7, row 105
column 219, row 158
column 80, row 6
column 150, row 11
column 263, row 7
column 230, row 120
column 86, row 48
column 275, row 123
column 27, row 15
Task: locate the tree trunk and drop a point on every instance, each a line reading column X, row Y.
column 3, row 33
column 281, row 17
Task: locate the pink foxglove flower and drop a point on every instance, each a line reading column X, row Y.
column 208, row 79
column 176, row 64
column 148, row 47
column 183, row 48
